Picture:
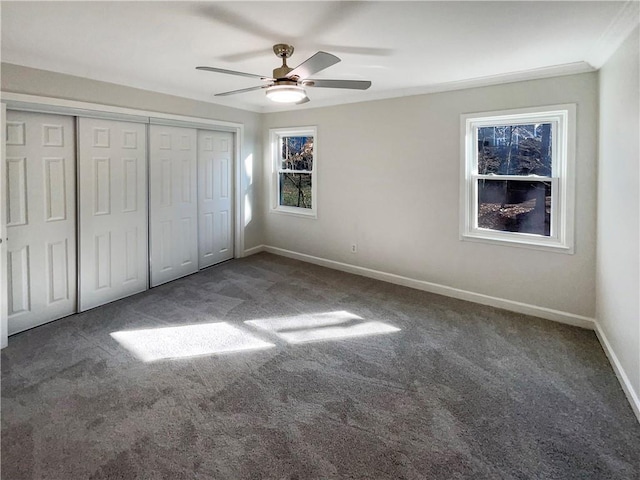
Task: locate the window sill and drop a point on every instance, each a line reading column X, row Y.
column 530, row 242
column 295, row 212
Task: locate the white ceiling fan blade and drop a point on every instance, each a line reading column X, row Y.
column 233, row 72
column 313, row 64
column 242, row 90
column 352, row 84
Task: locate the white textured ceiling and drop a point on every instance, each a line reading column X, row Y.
column 402, row 47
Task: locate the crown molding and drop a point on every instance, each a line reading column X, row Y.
column 617, row 32
column 500, row 79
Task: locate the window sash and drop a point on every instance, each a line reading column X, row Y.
column 281, row 190
column 555, row 135
column 475, row 176
column 291, row 171
column 288, row 170
column 554, row 226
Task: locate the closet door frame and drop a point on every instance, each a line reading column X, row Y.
column 242, row 169
column 4, row 313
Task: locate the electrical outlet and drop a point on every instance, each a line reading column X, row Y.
column 354, row 248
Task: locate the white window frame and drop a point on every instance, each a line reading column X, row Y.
column 562, row 179
column 275, row 134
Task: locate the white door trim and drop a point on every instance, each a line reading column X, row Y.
column 21, row 101
column 36, row 103
column 4, row 324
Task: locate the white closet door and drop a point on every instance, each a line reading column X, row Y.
column 113, row 210
column 215, row 225
column 173, row 203
column 41, row 220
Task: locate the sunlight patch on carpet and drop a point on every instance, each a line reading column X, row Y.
column 321, row 326
column 187, row 341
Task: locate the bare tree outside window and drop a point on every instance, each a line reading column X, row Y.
column 295, row 173
column 294, row 156
column 515, row 205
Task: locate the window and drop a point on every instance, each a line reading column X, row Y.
column 517, row 185
column 294, row 152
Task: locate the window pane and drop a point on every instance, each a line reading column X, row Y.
column 295, row 190
column 515, row 149
column 515, row 206
column 297, row 153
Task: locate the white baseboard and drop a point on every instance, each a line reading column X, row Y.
column 525, row 308
column 253, row 250
column 632, row 396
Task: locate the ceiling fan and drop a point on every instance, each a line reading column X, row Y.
column 288, row 84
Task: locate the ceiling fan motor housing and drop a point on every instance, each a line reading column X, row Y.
column 281, row 72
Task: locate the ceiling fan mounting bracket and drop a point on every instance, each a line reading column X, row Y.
column 283, row 51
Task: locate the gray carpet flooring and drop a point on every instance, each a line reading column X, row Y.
column 270, row 368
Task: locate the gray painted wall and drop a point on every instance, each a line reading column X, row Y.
column 18, row 79
column 618, row 256
column 388, row 180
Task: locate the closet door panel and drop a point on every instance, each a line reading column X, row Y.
column 173, row 203
column 41, row 220
column 215, row 175
column 113, row 210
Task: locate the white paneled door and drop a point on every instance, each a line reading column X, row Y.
column 173, row 208
column 41, row 220
column 215, row 173
column 113, row 210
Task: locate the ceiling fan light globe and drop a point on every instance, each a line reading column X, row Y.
column 286, row 93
